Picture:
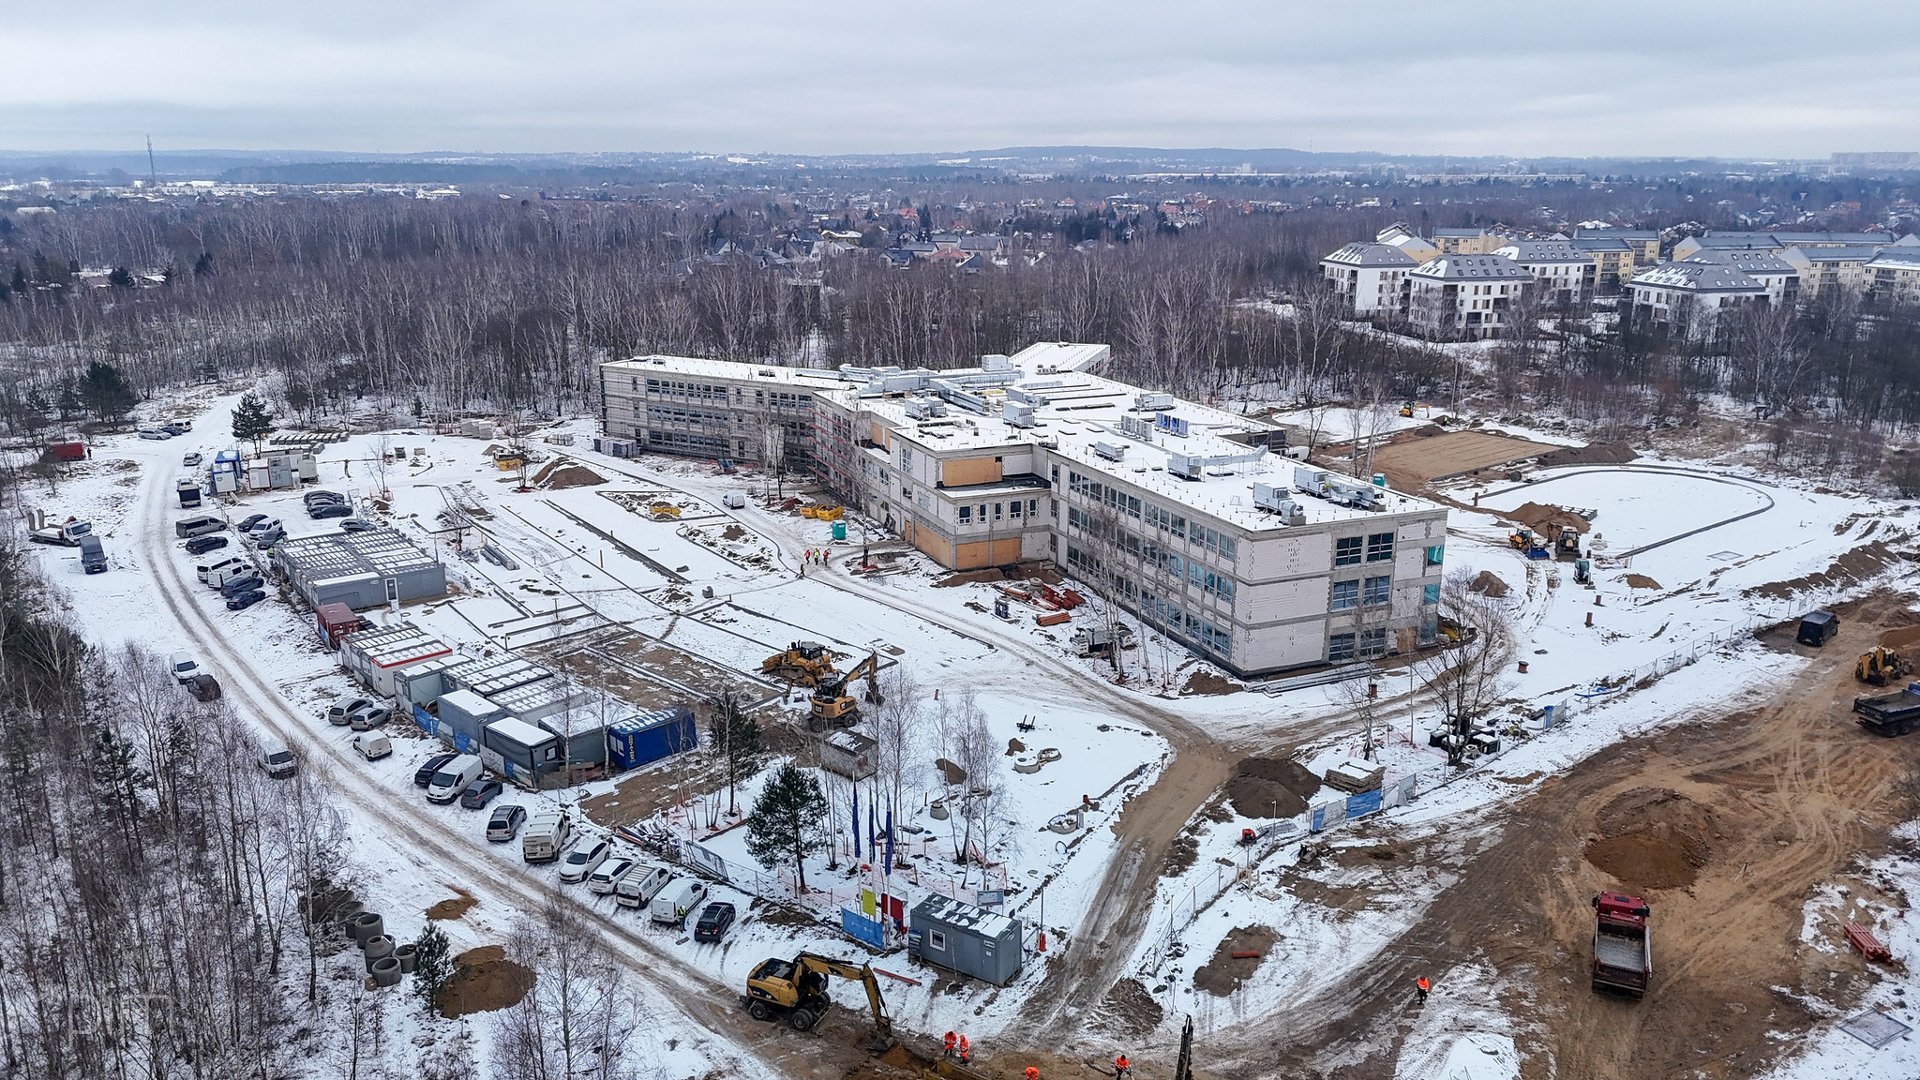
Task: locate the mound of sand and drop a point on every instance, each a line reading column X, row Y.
column 1547, row 520
column 1489, row 583
column 1653, row 838
column 1591, row 454
column 562, row 473
column 1270, row 787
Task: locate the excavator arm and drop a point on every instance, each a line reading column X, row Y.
column 860, row 973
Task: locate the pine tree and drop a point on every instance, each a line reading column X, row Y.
column 433, row 965
column 735, row 737
column 203, row 266
column 106, row 393
column 788, row 821
column 120, row 277
column 252, row 421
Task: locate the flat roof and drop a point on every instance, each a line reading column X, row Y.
column 393, row 646
column 986, row 923
column 813, row 378
column 469, row 702
column 497, row 675
column 527, row 735
column 338, row 556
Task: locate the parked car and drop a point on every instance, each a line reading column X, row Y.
column 481, row 792
column 321, row 495
column 183, row 666
column 715, row 918
column 198, row 525
column 263, row 525
column 582, row 859
column 279, row 761
column 453, row 778
column 372, row 745
column 246, row 524
column 234, row 586
column 267, row 537
column 155, row 434
column 244, row 600
column 200, row 545
column 341, row 712
column 357, row 525
column 641, row 885
column 673, row 904
column 609, row 875
column 370, row 718
column 326, row 510
column 177, row 427
column 229, row 570
column 504, row 824
column 203, row 687
column 424, row 774
column 191, row 460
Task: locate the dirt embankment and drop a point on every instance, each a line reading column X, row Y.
column 1270, row 787
column 1855, row 566
column 484, row 980
column 1488, row 582
column 1590, row 454
column 1027, row 571
column 1653, row 839
column 562, row 473
column 1547, row 520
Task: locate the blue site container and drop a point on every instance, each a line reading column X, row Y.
column 651, row 736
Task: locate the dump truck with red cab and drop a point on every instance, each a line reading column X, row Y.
column 1622, row 948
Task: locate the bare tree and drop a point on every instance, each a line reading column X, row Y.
column 1463, row 679
column 575, row 1021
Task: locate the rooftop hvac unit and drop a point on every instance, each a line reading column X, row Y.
column 936, row 408
column 995, row 362
column 1310, row 480
column 1110, row 451
column 1153, row 402
column 1136, row 427
column 1017, row 414
column 1025, row 397
column 1185, row 466
column 1278, row 500
column 917, row 410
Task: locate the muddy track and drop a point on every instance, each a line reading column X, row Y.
column 1796, row 793
column 433, row 849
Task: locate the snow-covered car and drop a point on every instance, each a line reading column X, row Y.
column 582, row 859
column 183, row 666
column 278, row 761
column 372, row 745
column 192, row 460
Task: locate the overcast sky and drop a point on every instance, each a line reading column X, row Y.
column 1673, row 77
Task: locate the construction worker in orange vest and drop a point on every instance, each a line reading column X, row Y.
column 1422, row 986
column 1121, row 1066
column 950, row 1040
column 966, row 1050
column 1032, row 1073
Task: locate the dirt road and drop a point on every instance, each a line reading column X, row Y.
column 1725, row 825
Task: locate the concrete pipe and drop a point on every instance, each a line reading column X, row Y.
column 386, row 971
column 344, row 912
column 408, row 954
column 367, row 924
column 375, row 948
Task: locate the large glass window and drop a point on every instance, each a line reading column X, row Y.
column 1378, row 591
column 1379, row 547
column 1340, row 647
column 1346, row 552
column 1346, row 595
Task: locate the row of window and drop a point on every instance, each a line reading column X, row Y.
column 970, row 514
column 1170, row 616
column 673, row 414
column 1364, row 645
column 682, row 442
column 1213, row 582
column 1374, row 592
column 1374, row 547
column 1171, row 522
column 693, row 391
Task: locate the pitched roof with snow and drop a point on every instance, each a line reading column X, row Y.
column 1761, row 263
column 1542, row 251
column 1472, row 268
column 1364, row 254
column 1698, row 277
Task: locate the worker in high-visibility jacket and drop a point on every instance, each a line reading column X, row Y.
column 966, row 1050
column 949, row 1041
column 1421, row 986
column 1121, row 1066
column 1032, row 1073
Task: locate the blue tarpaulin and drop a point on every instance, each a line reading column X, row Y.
column 860, row 928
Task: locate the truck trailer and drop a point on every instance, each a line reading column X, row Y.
column 1622, row 946
column 1889, row 714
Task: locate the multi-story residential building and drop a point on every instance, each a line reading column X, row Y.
column 1692, row 298
column 1779, row 277
column 710, row 408
column 1894, row 276
column 1467, row 241
column 1370, row 278
column 1464, row 294
column 1418, row 248
column 1776, row 242
column 1614, row 261
column 1644, row 243
column 1188, row 516
column 1563, row 276
column 1830, row 269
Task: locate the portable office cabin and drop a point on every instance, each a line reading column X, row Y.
column 334, row 621
column 462, row 716
column 520, row 750
column 967, row 939
column 583, row 729
column 424, row 683
column 847, row 753
column 361, row 570
column 375, row 655
column 650, row 736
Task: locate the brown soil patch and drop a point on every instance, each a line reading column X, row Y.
column 1591, row 454
column 1546, row 520
column 1129, row 1008
column 484, row 980
column 1419, row 459
column 1488, row 582
column 1270, row 787
column 953, row 774
column 1641, row 581
column 453, row 908
column 733, row 532
column 1654, row 839
column 1209, row 684
column 573, row 476
column 1028, row 571
column 1855, row 566
column 1223, row 974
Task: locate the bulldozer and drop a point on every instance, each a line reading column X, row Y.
column 796, row 991
column 1880, row 666
column 833, row 706
column 805, row 663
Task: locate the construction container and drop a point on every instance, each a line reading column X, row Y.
column 72, row 449
column 335, row 621
column 648, row 737
column 970, row 940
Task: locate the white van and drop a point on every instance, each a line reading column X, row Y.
column 372, row 745
column 735, row 500
column 188, row 528
column 206, row 571
column 640, row 885
column 453, row 778
column 545, row 836
column 677, row 901
column 223, row 574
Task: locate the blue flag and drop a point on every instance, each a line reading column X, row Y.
column 856, row 819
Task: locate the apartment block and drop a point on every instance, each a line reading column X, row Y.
column 710, row 408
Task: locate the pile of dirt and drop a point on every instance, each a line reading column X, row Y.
column 1641, row 581
column 1653, row 838
column 733, row 532
column 1546, row 521
column 1855, row 566
column 453, row 908
column 1488, row 582
column 953, row 774
column 484, row 980
column 1209, row 684
column 1270, row 787
column 1129, row 1008
column 1591, row 454
column 572, row 475
column 1028, row 571
column 1223, row 974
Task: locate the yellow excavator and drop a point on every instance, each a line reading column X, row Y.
column 796, row 991
column 1880, row 666
column 805, row 663
column 833, row 706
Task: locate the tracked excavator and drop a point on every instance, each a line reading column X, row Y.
column 833, row 706
column 804, row 663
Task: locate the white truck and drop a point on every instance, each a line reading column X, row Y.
column 545, row 836
column 66, row 534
